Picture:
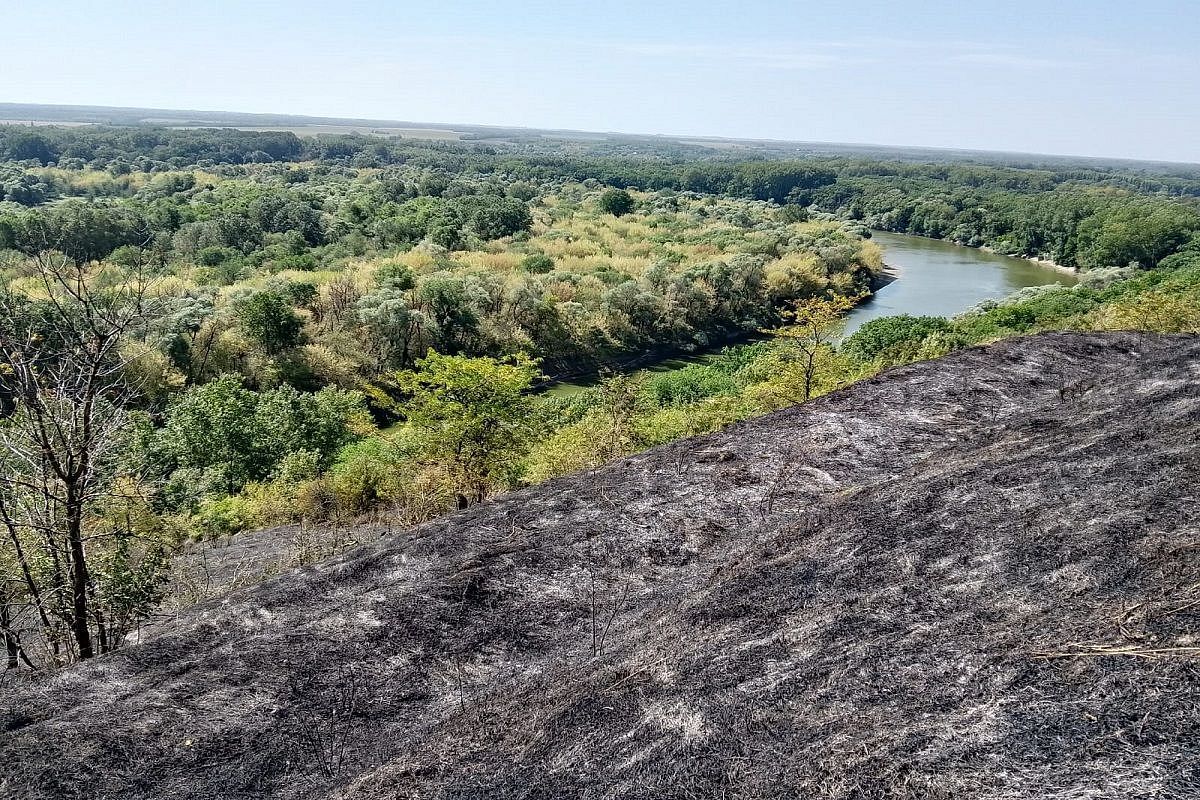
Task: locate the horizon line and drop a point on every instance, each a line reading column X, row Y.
column 316, row 120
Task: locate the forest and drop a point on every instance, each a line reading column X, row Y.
column 208, row 331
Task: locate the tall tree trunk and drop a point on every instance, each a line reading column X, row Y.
column 6, row 633
column 79, row 578
column 101, row 627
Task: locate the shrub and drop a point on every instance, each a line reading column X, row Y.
column 367, row 473
column 316, row 500
column 617, row 202
column 1152, row 311
column 538, row 263
column 268, row 320
column 689, row 385
column 299, row 465
column 882, row 334
column 394, row 275
column 571, row 448
column 223, row 517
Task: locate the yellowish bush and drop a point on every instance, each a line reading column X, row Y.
column 328, row 367
column 1153, row 311
column 569, row 449
column 150, row 372
column 494, row 262
column 871, row 256
column 677, row 422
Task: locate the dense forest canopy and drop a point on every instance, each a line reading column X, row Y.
column 1074, row 214
column 245, row 328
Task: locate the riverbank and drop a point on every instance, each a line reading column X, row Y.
column 663, row 359
column 921, row 277
column 889, row 274
column 1045, row 263
column 590, row 376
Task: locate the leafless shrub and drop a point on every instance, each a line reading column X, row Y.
column 322, row 726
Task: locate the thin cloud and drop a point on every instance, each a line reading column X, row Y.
column 1013, row 60
column 771, row 55
column 829, row 54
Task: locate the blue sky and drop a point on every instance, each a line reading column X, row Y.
column 1057, row 76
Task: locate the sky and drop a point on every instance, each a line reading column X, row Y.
column 1077, row 77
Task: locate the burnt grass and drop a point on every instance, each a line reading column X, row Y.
column 967, row 578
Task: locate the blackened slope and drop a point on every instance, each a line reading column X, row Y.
column 905, row 589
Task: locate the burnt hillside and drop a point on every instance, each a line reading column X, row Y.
column 975, row 577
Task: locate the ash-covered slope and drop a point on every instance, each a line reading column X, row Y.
column 975, row 577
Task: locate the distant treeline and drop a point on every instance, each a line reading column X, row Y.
column 1075, row 215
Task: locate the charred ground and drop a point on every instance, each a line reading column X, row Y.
column 975, row 577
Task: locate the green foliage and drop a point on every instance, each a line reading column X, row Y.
column 269, row 322
column 211, row 426
column 1049, row 213
column 473, row 415
column 617, row 202
column 215, row 256
column 1142, row 234
column 225, row 516
column 396, row 276
column 688, row 385
column 675, row 422
column 878, row 336
column 444, row 299
column 811, row 327
column 226, row 430
column 386, row 471
column 410, row 245
column 84, row 231
column 370, row 472
column 494, row 219
column 537, row 263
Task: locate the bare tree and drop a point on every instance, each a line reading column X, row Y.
column 62, row 368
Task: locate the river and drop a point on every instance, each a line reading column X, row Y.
column 932, row 278
column 940, row 279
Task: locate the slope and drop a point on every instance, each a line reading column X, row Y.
column 974, row 577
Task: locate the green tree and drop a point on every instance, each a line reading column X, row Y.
column 473, row 415
column 27, row 146
column 213, row 427
column 394, row 330
column 812, row 325
column 444, row 300
column 394, row 275
column 237, row 435
column 537, row 263
column 617, row 202
column 500, row 218
column 269, row 321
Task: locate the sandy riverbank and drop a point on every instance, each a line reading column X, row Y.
column 1041, row 262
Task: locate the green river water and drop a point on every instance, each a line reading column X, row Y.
column 932, row 278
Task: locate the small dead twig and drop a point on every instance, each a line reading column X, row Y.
column 616, row 610
column 639, row 671
column 600, row 634
column 1096, row 651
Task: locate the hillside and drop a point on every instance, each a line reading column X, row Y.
column 973, row 577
